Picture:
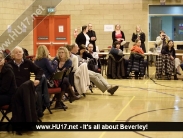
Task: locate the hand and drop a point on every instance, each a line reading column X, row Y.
column 64, row 69
column 2, row 62
column 171, row 58
column 119, row 39
column 36, row 82
column 93, row 38
column 55, row 62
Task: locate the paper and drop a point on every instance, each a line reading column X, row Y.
column 60, row 28
column 108, row 28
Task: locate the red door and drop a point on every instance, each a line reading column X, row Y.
column 52, row 31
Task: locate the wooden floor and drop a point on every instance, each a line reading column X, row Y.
column 135, row 100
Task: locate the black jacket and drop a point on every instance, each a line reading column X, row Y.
column 136, row 63
column 87, row 55
column 165, row 50
column 80, row 39
column 22, row 73
column 7, row 81
column 24, row 103
column 114, row 38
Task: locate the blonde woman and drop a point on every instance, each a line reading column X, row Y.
column 43, row 62
column 118, row 35
column 140, row 35
column 63, row 63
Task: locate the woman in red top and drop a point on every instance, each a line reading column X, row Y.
column 136, row 47
column 118, row 35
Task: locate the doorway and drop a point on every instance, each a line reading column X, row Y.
column 52, row 31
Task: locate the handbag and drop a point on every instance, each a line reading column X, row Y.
column 53, row 83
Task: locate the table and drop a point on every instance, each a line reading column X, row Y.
column 146, row 54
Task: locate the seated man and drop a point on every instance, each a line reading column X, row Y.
column 96, row 78
column 95, row 56
column 23, row 68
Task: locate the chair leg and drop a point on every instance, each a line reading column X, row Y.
column 39, row 119
column 90, row 87
column 49, row 110
column 53, row 99
column 63, row 105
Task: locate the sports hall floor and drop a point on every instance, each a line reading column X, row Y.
column 158, row 100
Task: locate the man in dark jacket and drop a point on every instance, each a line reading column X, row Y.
column 92, row 36
column 23, row 67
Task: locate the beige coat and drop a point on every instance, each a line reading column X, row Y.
column 81, row 78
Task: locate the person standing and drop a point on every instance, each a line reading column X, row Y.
column 161, row 40
column 83, row 38
column 118, row 35
column 139, row 34
column 92, row 36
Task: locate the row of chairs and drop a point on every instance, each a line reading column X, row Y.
column 57, row 76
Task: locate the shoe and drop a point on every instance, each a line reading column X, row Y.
column 76, row 97
column 84, row 95
column 178, row 73
column 175, row 78
column 119, row 77
column 169, row 77
column 136, row 77
column 39, row 114
column 112, row 90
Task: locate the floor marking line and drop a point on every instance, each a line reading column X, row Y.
column 119, row 114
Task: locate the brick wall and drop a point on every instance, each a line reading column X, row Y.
column 127, row 13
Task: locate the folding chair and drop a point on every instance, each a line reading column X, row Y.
column 57, row 76
column 5, row 110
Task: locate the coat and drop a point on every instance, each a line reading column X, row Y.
column 115, row 66
column 81, row 78
column 7, row 81
column 136, row 64
column 80, row 39
column 92, row 34
column 24, row 103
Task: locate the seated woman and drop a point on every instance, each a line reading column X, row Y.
column 64, row 63
column 48, row 68
column 7, row 82
column 96, row 78
column 169, row 49
column 136, row 61
column 116, row 62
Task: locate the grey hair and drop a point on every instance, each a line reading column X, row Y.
column 17, row 47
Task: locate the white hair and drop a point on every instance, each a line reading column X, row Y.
column 16, row 48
